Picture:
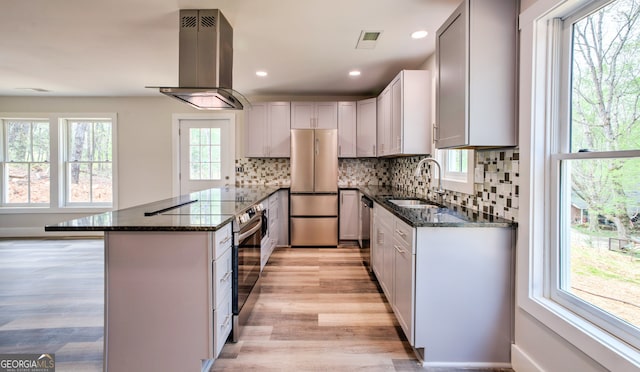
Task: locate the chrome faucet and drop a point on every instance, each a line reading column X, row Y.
column 440, row 191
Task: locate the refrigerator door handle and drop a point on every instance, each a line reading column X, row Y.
column 317, row 146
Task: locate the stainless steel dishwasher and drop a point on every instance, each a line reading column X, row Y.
column 365, row 229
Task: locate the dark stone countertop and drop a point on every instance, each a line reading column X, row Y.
column 446, row 215
column 206, row 210
column 209, row 210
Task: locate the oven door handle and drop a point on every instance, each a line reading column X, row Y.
column 253, row 230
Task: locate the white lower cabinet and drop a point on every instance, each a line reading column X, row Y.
column 270, row 240
column 349, row 212
column 167, row 291
column 382, row 251
column 404, row 276
column 451, row 288
column 222, row 317
column 222, row 277
column 277, row 231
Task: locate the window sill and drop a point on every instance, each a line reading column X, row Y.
column 458, row 186
column 607, row 350
column 45, row 210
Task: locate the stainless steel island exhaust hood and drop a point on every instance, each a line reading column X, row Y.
column 206, row 62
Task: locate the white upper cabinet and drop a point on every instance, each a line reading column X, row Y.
column 268, row 130
column 384, row 122
column 366, row 128
column 476, row 76
column 404, row 112
column 346, row 129
column 314, row 115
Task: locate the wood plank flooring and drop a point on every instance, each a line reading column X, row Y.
column 318, row 310
column 52, row 300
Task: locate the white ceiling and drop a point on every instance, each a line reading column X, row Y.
column 117, row 47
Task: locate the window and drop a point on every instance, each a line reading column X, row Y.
column 57, row 161
column 457, row 170
column 205, row 153
column 596, row 268
column 89, row 167
column 25, row 163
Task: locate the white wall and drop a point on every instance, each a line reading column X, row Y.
column 144, row 141
column 144, row 149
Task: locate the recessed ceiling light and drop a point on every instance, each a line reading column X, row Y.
column 354, row 73
column 419, row 34
column 261, row 73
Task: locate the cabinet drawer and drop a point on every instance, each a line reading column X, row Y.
column 222, row 274
column 222, row 240
column 403, row 233
column 222, row 322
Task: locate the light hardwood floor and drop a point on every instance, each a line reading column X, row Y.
column 52, row 300
column 318, row 310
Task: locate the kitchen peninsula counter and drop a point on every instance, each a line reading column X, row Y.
column 206, row 210
column 168, row 278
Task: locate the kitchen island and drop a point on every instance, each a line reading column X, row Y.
column 168, row 278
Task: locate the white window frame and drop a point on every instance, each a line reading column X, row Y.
column 64, row 147
column 561, row 152
column 3, row 202
column 57, row 133
column 457, row 181
column 539, row 115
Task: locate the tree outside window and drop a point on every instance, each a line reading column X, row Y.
column 27, row 170
column 599, row 166
column 89, row 161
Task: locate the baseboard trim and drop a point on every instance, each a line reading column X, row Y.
column 522, row 362
column 38, row 232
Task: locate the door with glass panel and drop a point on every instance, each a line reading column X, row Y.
column 207, row 154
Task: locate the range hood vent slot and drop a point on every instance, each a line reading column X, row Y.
column 189, row 21
column 208, row 21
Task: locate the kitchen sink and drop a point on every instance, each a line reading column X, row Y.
column 413, row 203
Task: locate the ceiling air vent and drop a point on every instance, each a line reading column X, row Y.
column 368, row 39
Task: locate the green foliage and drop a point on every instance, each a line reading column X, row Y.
column 605, row 109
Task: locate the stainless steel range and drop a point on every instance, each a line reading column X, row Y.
column 247, row 236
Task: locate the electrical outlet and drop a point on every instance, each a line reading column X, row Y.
column 239, row 169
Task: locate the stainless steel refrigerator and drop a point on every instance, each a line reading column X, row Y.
column 314, row 187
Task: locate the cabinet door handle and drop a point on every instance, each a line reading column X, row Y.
column 225, row 277
column 339, row 149
column 435, row 133
column 374, row 149
column 226, row 239
column 224, row 324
